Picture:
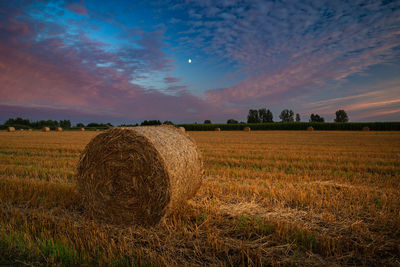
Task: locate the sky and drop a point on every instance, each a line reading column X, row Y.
column 127, row 61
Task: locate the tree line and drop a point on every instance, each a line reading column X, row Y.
column 265, row 115
column 26, row 123
column 262, row 115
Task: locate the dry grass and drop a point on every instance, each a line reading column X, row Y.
column 270, row 198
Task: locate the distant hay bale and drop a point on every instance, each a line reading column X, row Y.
column 59, row 129
column 138, row 175
column 310, row 128
column 82, row 129
column 97, row 130
column 246, row 129
column 30, row 130
column 46, row 129
column 21, row 130
column 10, row 129
column 182, row 129
column 366, row 128
column 217, row 129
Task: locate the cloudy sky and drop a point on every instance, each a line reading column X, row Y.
column 126, row 61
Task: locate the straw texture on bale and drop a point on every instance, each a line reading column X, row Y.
column 182, row 129
column 46, row 129
column 246, row 129
column 310, row 128
column 217, row 129
column 82, row 129
column 366, row 128
column 59, row 129
column 10, row 129
column 138, row 175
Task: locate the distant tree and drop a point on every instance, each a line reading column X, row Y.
column 265, row 115
column 17, row 121
column 287, row 115
column 207, row 122
column 80, row 125
column 316, row 118
column 151, row 122
column 253, row 116
column 231, row 121
column 95, row 124
column 341, row 116
column 65, row 124
column 297, row 117
column 168, row 122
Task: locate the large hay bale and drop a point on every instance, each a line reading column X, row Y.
column 365, row 128
column 182, row 129
column 46, row 129
column 310, row 128
column 217, row 129
column 59, row 129
column 139, row 174
column 10, row 129
column 82, row 129
column 246, row 129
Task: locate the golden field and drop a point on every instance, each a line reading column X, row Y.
column 268, row 198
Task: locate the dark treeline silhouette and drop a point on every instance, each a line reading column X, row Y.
column 25, row 123
column 287, row 115
column 262, row 115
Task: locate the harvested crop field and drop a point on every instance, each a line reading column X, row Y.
column 268, row 198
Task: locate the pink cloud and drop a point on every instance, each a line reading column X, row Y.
column 77, row 7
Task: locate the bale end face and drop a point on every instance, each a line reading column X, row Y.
column 46, row 129
column 217, row 129
column 246, row 129
column 310, row 128
column 137, row 175
column 59, row 129
column 10, row 129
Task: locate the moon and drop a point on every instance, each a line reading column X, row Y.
column 190, row 61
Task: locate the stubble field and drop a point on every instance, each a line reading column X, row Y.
column 268, row 198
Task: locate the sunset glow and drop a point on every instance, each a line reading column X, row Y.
column 126, row 61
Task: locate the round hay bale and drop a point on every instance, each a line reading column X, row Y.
column 21, row 130
column 182, row 129
column 366, row 128
column 10, row 129
column 30, row 130
column 59, row 129
column 46, row 129
column 82, row 129
column 310, row 128
column 217, row 129
column 246, row 129
column 137, row 175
